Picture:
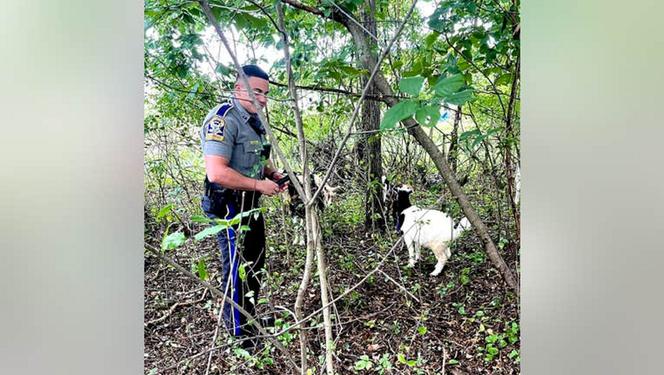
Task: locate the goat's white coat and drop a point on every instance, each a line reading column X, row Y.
column 432, row 229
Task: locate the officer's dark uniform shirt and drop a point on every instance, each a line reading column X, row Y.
column 226, row 132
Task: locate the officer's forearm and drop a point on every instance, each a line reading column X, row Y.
column 232, row 179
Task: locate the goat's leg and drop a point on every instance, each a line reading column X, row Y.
column 442, row 253
column 298, row 229
column 411, row 253
column 301, row 231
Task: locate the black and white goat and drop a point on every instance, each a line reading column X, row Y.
column 423, row 227
column 324, row 199
column 296, row 203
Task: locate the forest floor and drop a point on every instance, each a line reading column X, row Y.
column 464, row 321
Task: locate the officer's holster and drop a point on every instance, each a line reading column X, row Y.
column 219, row 198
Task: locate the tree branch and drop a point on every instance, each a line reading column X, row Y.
column 306, row 276
column 306, row 8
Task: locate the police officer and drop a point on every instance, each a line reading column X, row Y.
column 237, row 173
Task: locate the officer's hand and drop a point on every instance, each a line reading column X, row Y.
column 267, row 187
column 284, row 186
column 276, row 176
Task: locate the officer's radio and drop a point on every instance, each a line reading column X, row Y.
column 265, row 152
column 282, row 181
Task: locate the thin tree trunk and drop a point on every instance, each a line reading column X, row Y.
column 452, row 156
column 509, row 135
column 374, row 219
column 311, row 217
column 299, row 301
column 324, row 286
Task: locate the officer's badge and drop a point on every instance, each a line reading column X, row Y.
column 214, row 130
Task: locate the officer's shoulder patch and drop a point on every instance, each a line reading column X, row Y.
column 214, row 129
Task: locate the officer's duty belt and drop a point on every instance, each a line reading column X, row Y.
column 216, row 191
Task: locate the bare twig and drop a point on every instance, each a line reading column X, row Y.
column 399, row 285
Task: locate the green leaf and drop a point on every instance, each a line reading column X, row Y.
column 462, row 65
column 350, row 71
column 411, row 85
column 428, row 115
column 165, row 211
column 210, row 231
column 173, row 241
column 461, row 97
column 431, row 39
column 242, row 272
column 470, row 134
column 363, row 363
column 503, row 79
column 199, row 219
column 449, row 85
column 478, row 140
column 397, row 113
column 241, row 353
column 422, row 330
column 401, row 358
column 202, row 269
column 223, row 69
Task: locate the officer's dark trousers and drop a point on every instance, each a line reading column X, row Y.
column 242, row 259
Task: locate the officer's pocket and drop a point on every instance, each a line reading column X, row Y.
column 250, row 160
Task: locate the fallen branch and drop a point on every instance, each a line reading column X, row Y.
column 172, row 309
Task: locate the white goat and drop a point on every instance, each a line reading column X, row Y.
column 422, row 227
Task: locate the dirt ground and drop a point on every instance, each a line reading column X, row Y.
column 399, row 321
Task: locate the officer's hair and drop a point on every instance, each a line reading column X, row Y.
column 252, row 71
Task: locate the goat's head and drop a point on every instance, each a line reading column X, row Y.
column 296, row 203
column 402, row 202
column 462, row 224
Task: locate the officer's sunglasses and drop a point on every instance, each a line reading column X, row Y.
column 259, row 92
